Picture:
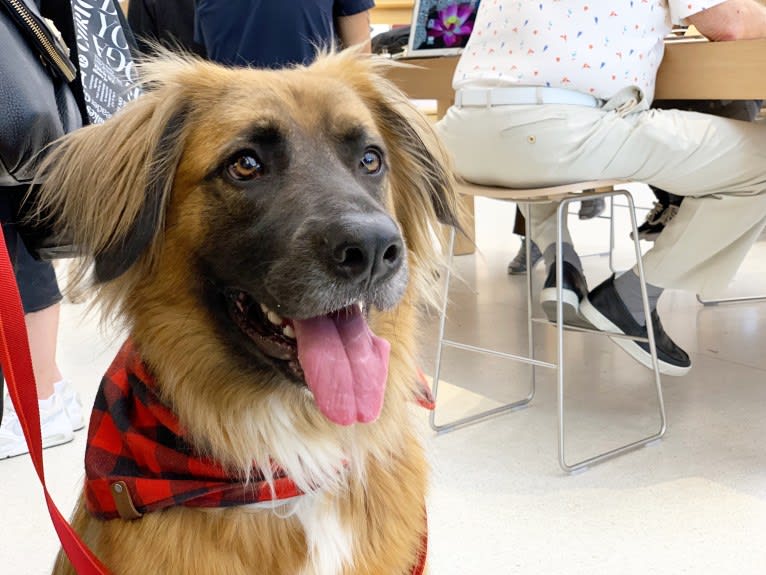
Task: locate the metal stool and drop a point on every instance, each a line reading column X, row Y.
column 564, row 195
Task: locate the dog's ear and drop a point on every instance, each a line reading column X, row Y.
column 105, row 187
column 419, row 163
column 115, row 259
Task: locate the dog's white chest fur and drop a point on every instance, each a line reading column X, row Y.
column 327, row 538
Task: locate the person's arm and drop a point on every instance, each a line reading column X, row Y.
column 355, row 29
column 731, row 20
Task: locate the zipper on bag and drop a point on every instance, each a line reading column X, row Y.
column 45, row 41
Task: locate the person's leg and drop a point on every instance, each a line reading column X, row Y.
column 666, row 210
column 542, row 218
column 718, row 166
column 591, row 208
column 705, row 156
column 42, row 329
column 519, row 223
column 688, row 256
column 518, row 265
column 661, row 195
column 41, row 300
column 10, row 235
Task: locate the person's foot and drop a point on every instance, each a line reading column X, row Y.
column 655, row 221
column 72, row 404
column 591, row 208
column 574, row 290
column 606, row 311
column 518, row 265
column 55, row 426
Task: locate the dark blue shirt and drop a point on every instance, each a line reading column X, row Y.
column 269, row 33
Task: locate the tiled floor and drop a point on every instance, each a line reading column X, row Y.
column 694, row 503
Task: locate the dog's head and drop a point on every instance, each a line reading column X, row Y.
column 288, row 206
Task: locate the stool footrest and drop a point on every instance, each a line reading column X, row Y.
column 545, row 321
column 495, row 353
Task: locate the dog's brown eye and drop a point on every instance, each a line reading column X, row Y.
column 372, row 161
column 245, row 167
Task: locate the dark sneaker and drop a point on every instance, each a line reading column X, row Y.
column 655, row 221
column 591, row 208
column 574, row 290
column 518, row 265
column 606, row 311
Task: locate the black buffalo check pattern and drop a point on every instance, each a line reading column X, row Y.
column 135, row 438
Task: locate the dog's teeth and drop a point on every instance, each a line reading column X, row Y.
column 264, row 309
column 274, row 318
column 289, row 331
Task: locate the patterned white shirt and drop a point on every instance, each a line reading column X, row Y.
column 593, row 46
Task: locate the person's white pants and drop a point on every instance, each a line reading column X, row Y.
column 719, row 164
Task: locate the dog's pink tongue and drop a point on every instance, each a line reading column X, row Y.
column 345, row 365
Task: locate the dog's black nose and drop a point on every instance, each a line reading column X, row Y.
column 366, row 248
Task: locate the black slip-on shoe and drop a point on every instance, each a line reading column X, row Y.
column 606, row 311
column 574, row 290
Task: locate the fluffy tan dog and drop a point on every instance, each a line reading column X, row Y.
column 265, row 237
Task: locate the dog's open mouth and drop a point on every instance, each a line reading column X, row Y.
column 341, row 361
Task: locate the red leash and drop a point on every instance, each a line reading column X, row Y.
column 17, row 369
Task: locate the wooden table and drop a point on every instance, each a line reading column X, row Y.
column 392, row 12
column 690, row 70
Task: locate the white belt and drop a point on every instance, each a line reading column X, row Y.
column 520, row 95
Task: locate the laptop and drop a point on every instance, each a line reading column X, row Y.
column 440, row 27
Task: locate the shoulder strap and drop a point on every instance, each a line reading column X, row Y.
column 17, row 368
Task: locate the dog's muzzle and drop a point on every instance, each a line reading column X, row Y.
column 364, row 248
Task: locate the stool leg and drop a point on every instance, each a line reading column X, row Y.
column 611, row 235
column 443, row 342
column 560, row 355
column 442, row 322
column 530, row 305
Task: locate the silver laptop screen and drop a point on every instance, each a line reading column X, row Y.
column 441, row 26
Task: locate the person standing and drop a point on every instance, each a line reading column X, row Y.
column 268, row 34
column 167, row 22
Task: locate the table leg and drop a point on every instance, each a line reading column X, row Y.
column 465, row 244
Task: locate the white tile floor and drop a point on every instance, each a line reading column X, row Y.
column 693, row 503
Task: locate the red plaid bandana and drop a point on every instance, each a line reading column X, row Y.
column 135, row 439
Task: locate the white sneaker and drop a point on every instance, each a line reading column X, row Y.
column 55, row 426
column 72, row 404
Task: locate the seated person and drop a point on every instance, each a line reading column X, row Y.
column 553, row 93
